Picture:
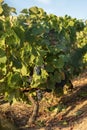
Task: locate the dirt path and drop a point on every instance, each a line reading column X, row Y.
column 68, row 113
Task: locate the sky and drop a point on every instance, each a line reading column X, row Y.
column 74, row 8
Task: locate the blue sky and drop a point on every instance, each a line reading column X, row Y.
column 74, row 8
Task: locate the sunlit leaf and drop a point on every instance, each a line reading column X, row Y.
column 1, row 10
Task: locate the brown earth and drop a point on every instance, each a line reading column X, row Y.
column 66, row 113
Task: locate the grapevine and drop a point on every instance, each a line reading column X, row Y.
column 39, row 52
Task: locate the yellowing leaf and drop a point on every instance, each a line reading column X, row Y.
column 24, row 70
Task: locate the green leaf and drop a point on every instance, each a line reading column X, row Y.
column 16, row 62
column 2, row 53
column 32, row 59
column 39, row 30
column 39, row 60
column 49, row 68
column 13, row 10
column 33, row 10
column 14, row 80
column 25, row 11
column 24, row 70
column 44, row 74
column 58, row 63
column 12, row 39
column 57, row 76
column 1, row 10
column 2, row 43
column 3, row 59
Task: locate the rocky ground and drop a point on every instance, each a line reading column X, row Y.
column 66, row 113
